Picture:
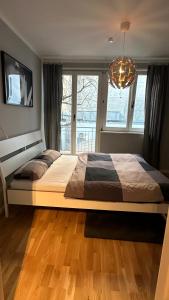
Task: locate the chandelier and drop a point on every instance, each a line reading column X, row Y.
column 122, row 69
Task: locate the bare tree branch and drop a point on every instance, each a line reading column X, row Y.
column 91, row 83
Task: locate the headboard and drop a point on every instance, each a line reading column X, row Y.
column 15, row 151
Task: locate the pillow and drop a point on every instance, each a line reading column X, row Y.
column 49, row 155
column 47, row 160
column 32, row 170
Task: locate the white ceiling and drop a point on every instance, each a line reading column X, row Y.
column 79, row 29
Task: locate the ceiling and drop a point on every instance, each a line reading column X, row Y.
column 79, row 29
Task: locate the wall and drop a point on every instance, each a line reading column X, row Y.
column 114, row 142
column 164, row 153
column 19, row 120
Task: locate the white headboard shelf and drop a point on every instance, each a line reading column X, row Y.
column 15, row 151
column 13, row 144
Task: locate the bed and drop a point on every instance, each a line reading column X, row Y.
column 14, row 152
column 50, row 189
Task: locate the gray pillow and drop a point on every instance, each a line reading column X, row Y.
column 47, row 160
column 49, row 155
column 32, row 170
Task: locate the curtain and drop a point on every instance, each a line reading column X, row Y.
column 157, row 94
column 52, row 75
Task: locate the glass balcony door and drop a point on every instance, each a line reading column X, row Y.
column 86, row 112
column 66, row 115
column 79, row 113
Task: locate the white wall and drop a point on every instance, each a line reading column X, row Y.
column 113, row 142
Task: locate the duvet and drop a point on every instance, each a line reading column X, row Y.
column 116, row 177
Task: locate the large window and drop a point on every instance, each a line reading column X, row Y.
column 117, row 107
column 79, row 112
column 91, row 104
column 138, row 114
column 86, row 112
column 66, row 114
column 125, row 108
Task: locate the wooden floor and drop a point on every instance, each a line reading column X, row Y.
column 45, row 256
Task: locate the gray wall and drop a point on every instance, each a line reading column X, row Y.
column 114, row 142
column 19, row 120
column 164, row 155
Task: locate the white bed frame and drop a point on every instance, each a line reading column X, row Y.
column 13, row 153
column 10, row 160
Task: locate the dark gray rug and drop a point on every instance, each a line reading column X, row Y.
column 126, row 226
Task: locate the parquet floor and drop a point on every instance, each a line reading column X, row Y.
column 45, row 256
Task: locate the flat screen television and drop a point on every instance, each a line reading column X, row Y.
column 17, row 82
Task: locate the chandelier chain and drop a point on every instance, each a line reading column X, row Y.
column 124, row 42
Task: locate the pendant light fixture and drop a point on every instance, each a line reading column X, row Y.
column 122, row 69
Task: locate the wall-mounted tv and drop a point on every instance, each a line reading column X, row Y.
column 17, row 81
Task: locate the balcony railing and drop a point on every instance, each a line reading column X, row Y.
column 85, row 139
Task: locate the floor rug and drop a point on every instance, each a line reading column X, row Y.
column 126, row 226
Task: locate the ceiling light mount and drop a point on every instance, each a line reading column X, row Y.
column 125, row 26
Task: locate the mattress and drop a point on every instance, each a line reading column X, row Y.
column 54, row 180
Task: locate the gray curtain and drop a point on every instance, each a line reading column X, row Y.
column 157, row 94
column 52, row 75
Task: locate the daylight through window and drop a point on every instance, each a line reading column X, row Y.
column 91, row 104
column 125, row 109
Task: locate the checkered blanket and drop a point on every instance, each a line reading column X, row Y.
column 116, row 177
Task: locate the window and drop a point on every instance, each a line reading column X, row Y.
column 125, row 108
column 84, row 114
column 66, row 114
column 117, row 107
column 79, row 112
column 138, row 115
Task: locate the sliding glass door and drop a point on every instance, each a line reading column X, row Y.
column 66, row 115
column 79, row 112
column 86, row 113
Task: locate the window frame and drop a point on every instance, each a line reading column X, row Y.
column 131, row 104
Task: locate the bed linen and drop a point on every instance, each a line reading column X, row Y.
column 54, row 180
column 116, row 177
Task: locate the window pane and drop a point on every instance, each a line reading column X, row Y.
column 66, row 112
column 117, row 107
column 87, row 93
column 139, row 114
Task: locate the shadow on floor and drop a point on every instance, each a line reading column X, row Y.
column 14, row 234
